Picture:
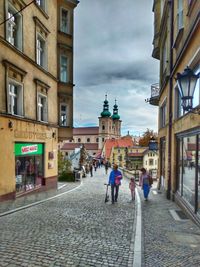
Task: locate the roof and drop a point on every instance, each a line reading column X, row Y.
column 122, row 142
column 86, row 131
column 135, row 154
column 72, row 146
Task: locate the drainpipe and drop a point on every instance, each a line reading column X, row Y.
column 169, row 185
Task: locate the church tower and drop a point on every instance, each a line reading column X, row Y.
column 109, row 126
column 116, row 121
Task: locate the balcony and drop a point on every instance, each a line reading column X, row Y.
column 155, row 91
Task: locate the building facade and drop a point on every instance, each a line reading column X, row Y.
column 176, row 45
column 29, row 110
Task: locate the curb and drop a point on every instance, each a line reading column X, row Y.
column 39, row 202
column 137, row 262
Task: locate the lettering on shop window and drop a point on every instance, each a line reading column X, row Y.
column 32, row 135
column 29, row 149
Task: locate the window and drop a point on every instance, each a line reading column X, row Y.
column 97, row 140
column 150, row 162
column 41, row 51
column 196, row 99
column 88, row 140
column 102, row 139
column 178, row 107
column 163, row 110
column 63, row 69
column 103, row 127
column 15, row 99
column 180, row 15
column 14, row 27
column 63, row 115
column 79, row 140
column 42, row 108
column 64, row 23
column 41, row 4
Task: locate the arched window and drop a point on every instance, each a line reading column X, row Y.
column 103, row 127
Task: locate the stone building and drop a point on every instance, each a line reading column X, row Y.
column 176, row 46
column 36, row 84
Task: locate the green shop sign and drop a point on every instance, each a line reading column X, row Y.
column 28, row 149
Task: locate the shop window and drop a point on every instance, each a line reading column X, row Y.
column 63, row 115
column 14, row 27
column 198, row 174
column 188, row 171
column 42, row 108
column 63, row 69
column 41, row 51
column 64, row 21
column 15, row 98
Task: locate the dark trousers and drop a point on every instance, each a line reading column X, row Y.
column 114, row 192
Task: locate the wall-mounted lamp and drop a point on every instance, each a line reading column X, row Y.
column 186, row 83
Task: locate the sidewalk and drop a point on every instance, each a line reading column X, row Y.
column 167, row 242
column 34, row 197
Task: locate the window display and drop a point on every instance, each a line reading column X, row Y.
column 28, row 166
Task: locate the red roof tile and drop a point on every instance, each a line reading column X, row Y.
column 86, row 131
column 122, row 142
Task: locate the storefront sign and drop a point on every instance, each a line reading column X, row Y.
column 28, row 149
column 32, row 135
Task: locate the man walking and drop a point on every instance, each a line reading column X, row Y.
column 115, row 181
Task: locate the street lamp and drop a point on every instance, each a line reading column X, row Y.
column 186, row 83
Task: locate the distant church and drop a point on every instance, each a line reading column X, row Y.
column 93, row 138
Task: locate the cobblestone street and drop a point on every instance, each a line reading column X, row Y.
column 75, row 229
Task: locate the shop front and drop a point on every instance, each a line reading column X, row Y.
column 29, row 166
column 188, row 183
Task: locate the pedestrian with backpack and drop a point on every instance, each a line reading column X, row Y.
column 115, row 181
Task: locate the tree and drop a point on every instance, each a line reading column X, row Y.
column 144, row 140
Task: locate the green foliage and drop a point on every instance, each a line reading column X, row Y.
column 64, row 169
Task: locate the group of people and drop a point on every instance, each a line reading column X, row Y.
column 115, row 178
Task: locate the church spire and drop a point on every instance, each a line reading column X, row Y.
column 105, row 112
column 115, row 115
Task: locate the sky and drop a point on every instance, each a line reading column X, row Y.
column 112, row 55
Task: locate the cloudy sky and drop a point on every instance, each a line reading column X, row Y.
column 113, row 46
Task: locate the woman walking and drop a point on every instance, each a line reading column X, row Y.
column 145, row 182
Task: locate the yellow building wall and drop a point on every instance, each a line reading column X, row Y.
column 24, row 132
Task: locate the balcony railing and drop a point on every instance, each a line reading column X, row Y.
column 155, row 91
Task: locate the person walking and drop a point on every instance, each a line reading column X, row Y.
column 145, row 182
column 91, row 170
column 132, row 186
column 106, row 167
column 115, row 181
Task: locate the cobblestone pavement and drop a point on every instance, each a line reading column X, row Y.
column 167, row 242
column 75, row 229
column 35, row 196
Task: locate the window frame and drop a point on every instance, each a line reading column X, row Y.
column 63, row 67
column 68, row 21
column 43, row 6
column 18, row 86
column 39, row 114
column 179, row 15
column 60, row 121
column 44, row 57
column 17, row 35
column 163, row 114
